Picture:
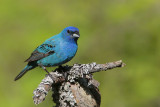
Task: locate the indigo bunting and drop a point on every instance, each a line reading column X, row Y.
column 55, row 51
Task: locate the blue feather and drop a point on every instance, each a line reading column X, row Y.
column 55, row 51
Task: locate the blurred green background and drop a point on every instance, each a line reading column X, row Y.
column 110, row 30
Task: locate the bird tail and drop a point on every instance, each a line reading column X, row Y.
column 27, row 68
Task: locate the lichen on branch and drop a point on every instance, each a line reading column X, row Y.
column 74, row 85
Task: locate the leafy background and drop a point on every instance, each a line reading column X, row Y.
column 110, row 30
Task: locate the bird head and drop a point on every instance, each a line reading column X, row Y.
column 71, row 33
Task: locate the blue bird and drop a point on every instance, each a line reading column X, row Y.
column 55, row 51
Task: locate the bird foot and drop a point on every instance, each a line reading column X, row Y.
column 47, row 72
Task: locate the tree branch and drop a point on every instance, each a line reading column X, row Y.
column 74, row 85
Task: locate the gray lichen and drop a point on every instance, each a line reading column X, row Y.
column 74, row 85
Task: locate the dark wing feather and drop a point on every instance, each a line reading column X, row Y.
column 41, row 52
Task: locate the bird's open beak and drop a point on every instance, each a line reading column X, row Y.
column 76, row 35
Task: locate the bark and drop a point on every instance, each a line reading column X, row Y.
column 74, row 85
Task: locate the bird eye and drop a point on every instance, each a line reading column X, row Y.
column 68, row 31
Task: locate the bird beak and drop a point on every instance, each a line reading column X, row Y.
column 76, row 35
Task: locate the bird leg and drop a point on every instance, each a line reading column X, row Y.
column 47, row 71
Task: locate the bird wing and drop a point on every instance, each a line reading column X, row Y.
column 40, row 52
